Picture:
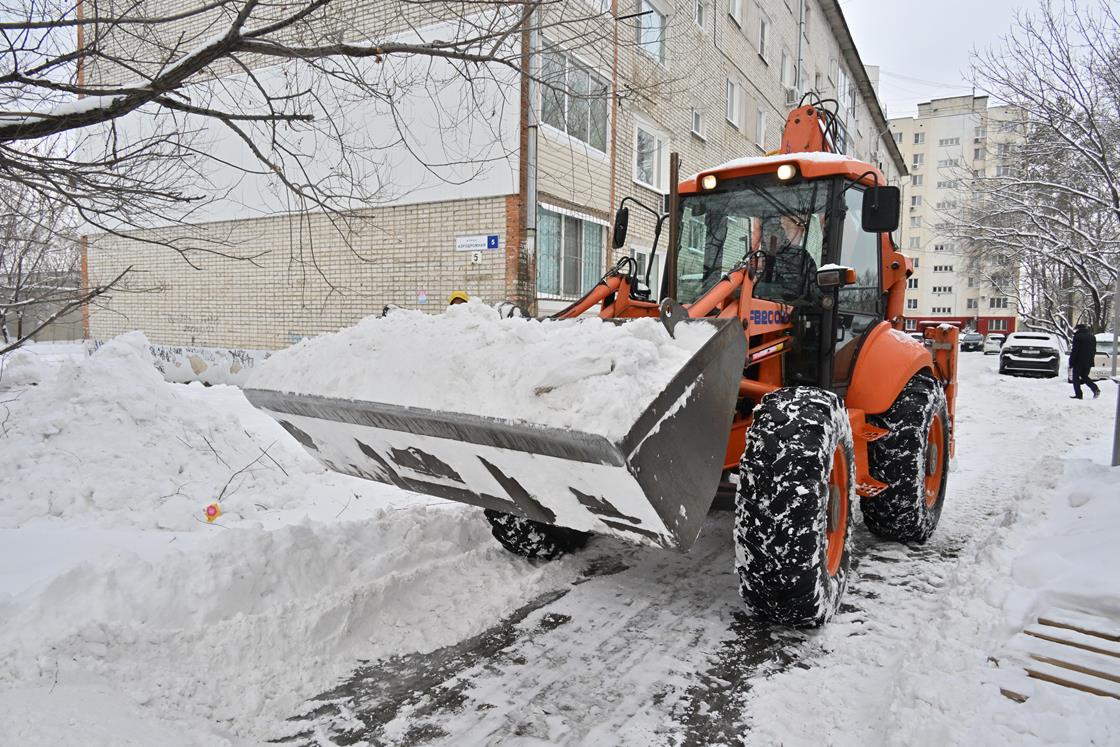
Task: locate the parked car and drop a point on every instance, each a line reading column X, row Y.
column 1102, row 364
column 993, row 342
column 971, row 341
column 1031, row 353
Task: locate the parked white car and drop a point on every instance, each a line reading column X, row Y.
column 1102, row 362
column 993, row 342
column 1031, row 353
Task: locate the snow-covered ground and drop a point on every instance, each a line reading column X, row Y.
column 324, row 608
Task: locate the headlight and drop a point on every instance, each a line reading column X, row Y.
column 708, row 182
column 787, row 171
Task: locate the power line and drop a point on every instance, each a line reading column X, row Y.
column 923, row 81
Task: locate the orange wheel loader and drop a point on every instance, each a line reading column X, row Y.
column 807, row 396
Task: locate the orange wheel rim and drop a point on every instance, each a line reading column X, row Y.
column 934, row 460
column 836, row 533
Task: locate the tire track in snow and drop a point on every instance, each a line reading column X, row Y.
column 653, row 647
column 614, row 658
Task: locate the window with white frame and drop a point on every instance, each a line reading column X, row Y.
column 911, row 324
column 915, row 200
column 947, row 184
column 948, row 162
column 763, row 35
column 942, row 268
column 699, row 12
column 760, row 127
column 843, row 85
column 697, row 122
column 978, row 134
column 911, row 303
column 787, row 69
column 997, row 302
column 569, row 253
column 940, row 247
column 919, row 138
column 916, row 180
column 915, row 221
column 917, row 263
column 731, row 103
column 972, row 282
column 949, row 141
column 1003, row 171
column 977, row 154
column 735, row 10
column 915, row 242
column 997, row 325
column 911, row 282
column 972, row 303
column 942, row 289
column 898, row 137
column 651, row 153
column 651, row 30
column 942, row 309
column 919, row 159
column 574, row 99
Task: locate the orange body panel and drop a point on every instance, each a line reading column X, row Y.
column 808, row 165
column 887, row 361
column 804, row 131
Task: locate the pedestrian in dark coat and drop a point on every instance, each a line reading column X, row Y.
column 1081, row 357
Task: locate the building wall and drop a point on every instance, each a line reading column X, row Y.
column 661, row 96
column 312, row 279
column 964, row 131
column 316, row 278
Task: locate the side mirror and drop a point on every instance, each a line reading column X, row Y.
column 621, row 221
column 880, row 209
column 835, row 276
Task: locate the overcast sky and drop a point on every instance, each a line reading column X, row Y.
column 923, row 46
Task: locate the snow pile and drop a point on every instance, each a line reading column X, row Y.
column 238, row 632
column 105, row 440
column 583, row 374
column 21, row 368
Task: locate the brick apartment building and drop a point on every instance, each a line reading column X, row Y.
column 948, row 140
column 710, row 80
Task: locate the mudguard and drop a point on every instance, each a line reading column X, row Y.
column 888, row 359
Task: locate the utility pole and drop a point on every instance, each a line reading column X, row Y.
column 1115, row 379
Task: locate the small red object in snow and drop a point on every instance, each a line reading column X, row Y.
column 212, row 512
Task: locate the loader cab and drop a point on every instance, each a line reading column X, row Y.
column 785, row 230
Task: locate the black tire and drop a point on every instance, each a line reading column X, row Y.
column 532, row 539
column 799, row 447
column 909, row 509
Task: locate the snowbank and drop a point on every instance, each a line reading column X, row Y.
column 237, row 633
column 127, row 619
column 107, row 441
column 583, row 374
column 20, row 368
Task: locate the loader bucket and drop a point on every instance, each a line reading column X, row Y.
column 653, row 486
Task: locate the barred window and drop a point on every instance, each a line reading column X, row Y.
column 569, row 254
